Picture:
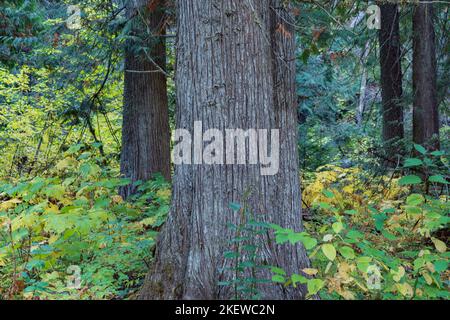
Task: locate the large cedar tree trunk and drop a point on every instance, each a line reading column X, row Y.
column 235, row 69
column 391, row 82
column 145, row 132
column 425, row 115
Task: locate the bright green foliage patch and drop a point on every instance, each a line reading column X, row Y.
column 74, row 223
column 390, row 245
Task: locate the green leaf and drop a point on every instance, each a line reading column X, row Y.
column 328, row 194
column 438, row 153
column 295, row 237
column 247, row 264
column 324, row 205
column 354, row 235
column 279, row 279
column 296, row 278
column 85, row 155
column 438, row 179
column 55, row 191
column 363, row 263
column 379, row 221
column 420, row 149
column 231, row 255
column 281, row 238
column 309, row 243
column 329, row 251
column 388, row 235
column 337, row 227
column 278, row 271
column 235, row 206
column 413, row 162
column 75, row 148
column 97, row 145
column 314, row 286
column 347, row 252
column 440, row 265
column 440, row 245
column 410, row 180
column 413, row 210
column 88, row 169
column 415, row 200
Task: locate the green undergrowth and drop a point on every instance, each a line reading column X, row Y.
column 71, row 236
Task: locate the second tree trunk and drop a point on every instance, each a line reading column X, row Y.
column 145, row 132
column 391, row 83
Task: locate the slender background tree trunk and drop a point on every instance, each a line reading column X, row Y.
column 145, row 132
column 235, row 69
column 363, row 86
column 425, row 115
column 391, row 82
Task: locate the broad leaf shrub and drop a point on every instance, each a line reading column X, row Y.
column 71, row 236
column 243, row 254
column 375, row 241
column 350, row 188
column 368, row 238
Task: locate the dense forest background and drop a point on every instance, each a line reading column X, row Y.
column 88, row 104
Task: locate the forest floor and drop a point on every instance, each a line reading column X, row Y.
column 71, row 236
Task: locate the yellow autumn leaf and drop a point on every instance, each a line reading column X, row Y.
column 310, row 272
column 117, row 199
column 53, row 239
column 164, row 194
column 405, row 289
column 427, row 278
column 148, row 222
column 398, row 275
column 347, row 295
column 66, row 163
column 51, row 209
column 23, row 221
column 344, row 270
column 419, row 292
column 348, row 189
column 424, row 252
column 430, row 267
column 329, row 251
column 329, row 265
column 9, row 204
column 440, row 246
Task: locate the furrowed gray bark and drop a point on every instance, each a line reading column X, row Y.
column 235, row 69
